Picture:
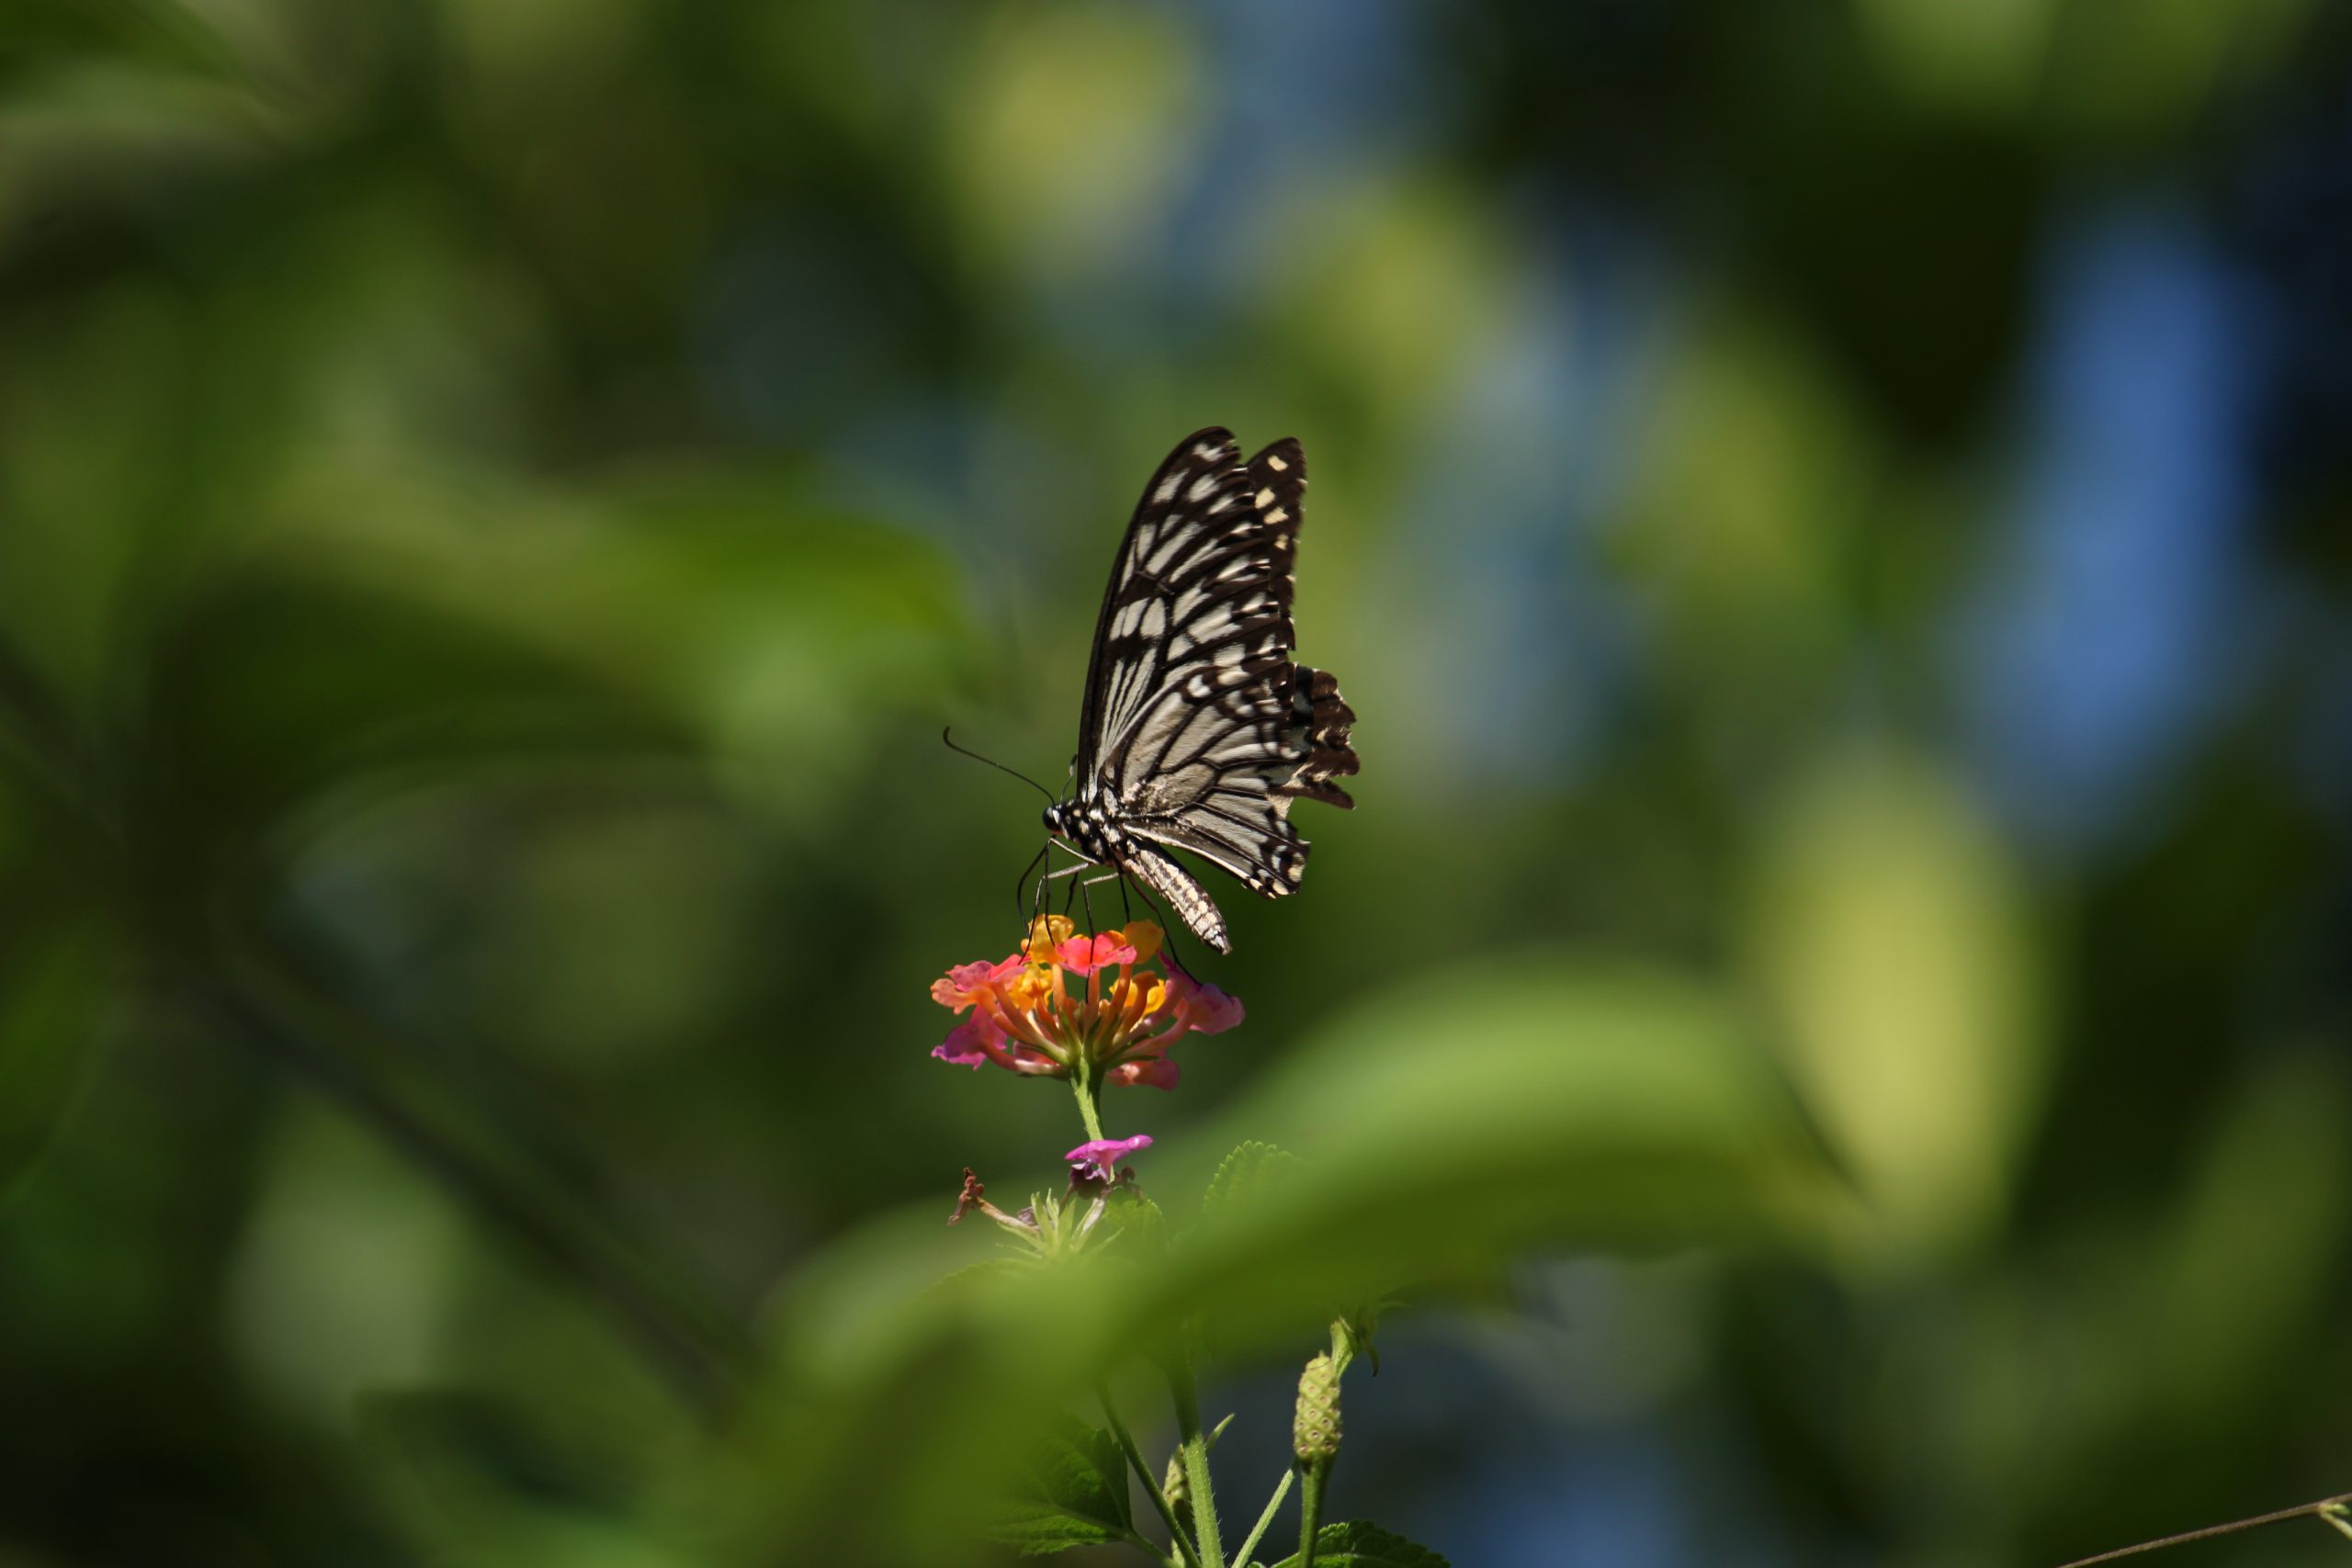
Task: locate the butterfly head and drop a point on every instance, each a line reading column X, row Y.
column 1082, row 830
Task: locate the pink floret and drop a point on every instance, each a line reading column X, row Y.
column 1102, row 1155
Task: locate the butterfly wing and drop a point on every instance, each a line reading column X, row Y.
column 1198, row 729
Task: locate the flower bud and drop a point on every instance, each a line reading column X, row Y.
column 1315, row 1431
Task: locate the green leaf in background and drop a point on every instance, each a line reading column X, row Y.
column 1451, row 1122
column 48, row 1019
column 1355, row 1544
column 1252, row 1169
column 54, row 962
column 474, row 1482
column 1886, row 927
column 1076, row 1495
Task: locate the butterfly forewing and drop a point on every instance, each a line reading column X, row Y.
column 1198, row 730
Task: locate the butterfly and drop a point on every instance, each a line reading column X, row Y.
column 1198, row 730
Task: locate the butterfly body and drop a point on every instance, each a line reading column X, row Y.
column 1198, row 730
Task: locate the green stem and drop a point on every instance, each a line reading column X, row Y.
column 1150, row 1482
column 1310, row 1510
column 1264, row 1519
column 1085, row 1092
column 1195, row 1452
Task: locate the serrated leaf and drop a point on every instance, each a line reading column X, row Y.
column 1251, row 1170
column 1076, row 1494
column 1355, row 1544
column 1138, row 1219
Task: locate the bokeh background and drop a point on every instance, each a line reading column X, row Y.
column 1833, row 515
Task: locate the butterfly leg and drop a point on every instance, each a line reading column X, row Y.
column 1166, row 928
column 1023, row 880
column 1111, row 875
column 1037, row 904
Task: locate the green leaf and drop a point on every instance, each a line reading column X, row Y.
column 50, row 997
column 1888, row 927
column 1355, row 1544
column 1076, row 1494
column 476, row 1482
column 1251, row 1170
column 1140, row 1223
column 1569, row 1104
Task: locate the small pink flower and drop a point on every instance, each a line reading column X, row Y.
column 1067, row 999
column 1202, row 1007
column 1085, row 955
column 1101, row 1158
column 967, row 983
column 963, row 1046
column 1152, row 1072
column 977, row 1041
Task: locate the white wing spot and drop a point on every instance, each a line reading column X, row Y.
column 1201, row 488
column 1265, row 495
column 1277, row 465
column 1279, row 515
column 1205, row 452
column 1219, row 504
column 1168, row 487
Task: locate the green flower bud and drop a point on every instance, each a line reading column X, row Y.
column 1315, row 1432
column 1173, row 1485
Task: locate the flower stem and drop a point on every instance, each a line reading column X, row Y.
column 1266, row 1519
column 1150, row 1482
column 1085, row 1092
column 1195, row 1452
column 1310, row 1510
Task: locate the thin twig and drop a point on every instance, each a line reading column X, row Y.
column 1143, row 1473
column 1241, row 1558
column 708, row 1358
column 2312, row 1510
column 251, row 987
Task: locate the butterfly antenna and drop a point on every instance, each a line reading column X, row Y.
column 946, row 734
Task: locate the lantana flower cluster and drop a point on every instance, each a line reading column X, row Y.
column 1068, row 1001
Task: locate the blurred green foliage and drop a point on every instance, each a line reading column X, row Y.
column 497, row 499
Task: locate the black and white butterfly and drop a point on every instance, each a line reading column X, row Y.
column 1198, row 730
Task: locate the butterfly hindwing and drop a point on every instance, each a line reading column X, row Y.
column 1198, row 730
